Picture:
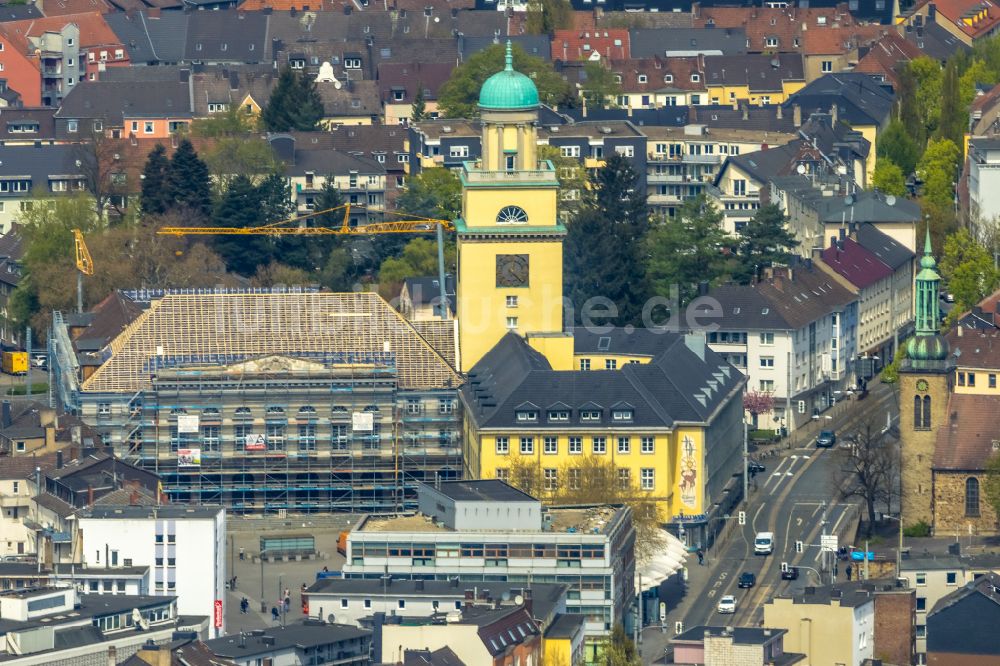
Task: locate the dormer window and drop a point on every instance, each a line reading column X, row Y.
column 695, row 78
column 621, row 415
column 771, row 42
column 618, row 79
column 559, row 415
column 527, row 416
column 642, row 78
column 668, row 78
column 590, row 415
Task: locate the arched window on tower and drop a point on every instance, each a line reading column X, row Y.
column 927, row 412
column 917, row 412
column 972, row 497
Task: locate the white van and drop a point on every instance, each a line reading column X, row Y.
column 763, row 543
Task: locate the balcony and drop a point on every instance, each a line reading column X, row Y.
column 475, row 174
column 667, row 178
column 52, row 72
column 662, row 158
column 702, row 159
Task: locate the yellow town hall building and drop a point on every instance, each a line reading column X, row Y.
column 553, row 401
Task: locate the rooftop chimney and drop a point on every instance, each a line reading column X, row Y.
column 796, row 115
column 59, row 459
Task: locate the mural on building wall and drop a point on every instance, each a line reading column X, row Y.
column 689, row 474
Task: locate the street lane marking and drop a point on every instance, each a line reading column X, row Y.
column 789, row 471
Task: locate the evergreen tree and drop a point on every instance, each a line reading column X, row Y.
column 604, row 246
column 276, row 114
column 687, row 249
column 954, row 115
column 241, row 207
column 295, row 104
column 189, row 181
column 764, row 241
column 155, row 198
column 418, row 110
column 909, row 114
column 897, row 145
column 308, row 110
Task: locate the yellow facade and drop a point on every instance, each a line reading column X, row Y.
column 509, row 239
column 675, row 458
column 976, row 381
column 727, row 94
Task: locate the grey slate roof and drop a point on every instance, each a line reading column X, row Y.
column 566, row 625
column 19, row 12
column 757, row 71
column 112, row 100
column 871, row 206
column 150, row 39
column 331, row 162
column 860, row 98
column 536, row 45
column 299, row 636
column 744, row 307
column 766, row 164
column 676, row 386
column 741, row 635
column 935, row 41
column 965, row 621
column 649, row 42
column 43, row 118
column 441, row 657
column 39, row 162
column 889, row 251
column 230, row 36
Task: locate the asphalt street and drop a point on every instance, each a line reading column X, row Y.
column 798, row 499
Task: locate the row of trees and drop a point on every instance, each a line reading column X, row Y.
column 615, row 248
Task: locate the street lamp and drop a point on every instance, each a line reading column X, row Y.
column 263, row 599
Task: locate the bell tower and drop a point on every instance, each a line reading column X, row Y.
column 509, row 237
column 924, row 388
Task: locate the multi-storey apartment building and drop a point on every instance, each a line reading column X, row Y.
column 483, row 531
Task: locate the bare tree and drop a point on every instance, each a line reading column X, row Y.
column 868, row 467
column 100, row 160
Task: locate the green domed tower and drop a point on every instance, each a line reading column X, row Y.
column 508, row 90
column 928, row 345
column 925, row 378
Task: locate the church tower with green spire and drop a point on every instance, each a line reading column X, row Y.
column 924, row 388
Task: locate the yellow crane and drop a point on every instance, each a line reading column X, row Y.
column 299, row 226
column 84, row 266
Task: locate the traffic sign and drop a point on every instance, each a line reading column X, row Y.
column 828, row 543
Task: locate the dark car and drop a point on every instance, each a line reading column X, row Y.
column 826, row 439
column 747, row 579
column 790, row 573
column 755, row 467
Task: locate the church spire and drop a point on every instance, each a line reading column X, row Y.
column 509, row 58
column 927, row 344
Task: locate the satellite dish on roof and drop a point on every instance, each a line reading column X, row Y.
column 800, row 169
column 519, row 600
column 891, row 200
column 849, row 200
column 331, row 619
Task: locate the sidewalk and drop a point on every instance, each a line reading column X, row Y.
column 678, row 595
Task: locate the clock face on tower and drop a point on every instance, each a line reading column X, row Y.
column 512, row 270
column 922, row 385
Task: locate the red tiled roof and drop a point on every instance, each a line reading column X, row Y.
column 788, row 24
column 23, row 467
column 68, row 7
column 965, row 441
column 955, row 10
column 890, row 50
column 654, row 70
column 569, row 45
column 94, row 30
column 832, row 41
column 859, row 266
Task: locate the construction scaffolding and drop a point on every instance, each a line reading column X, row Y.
column 278, row 402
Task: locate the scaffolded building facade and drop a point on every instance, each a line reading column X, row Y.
column 273, row 402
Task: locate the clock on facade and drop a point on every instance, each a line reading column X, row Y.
column 512, row 215
column 512, row 270
column 922, row 385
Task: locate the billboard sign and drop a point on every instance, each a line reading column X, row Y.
column 255, row 442
column 218, row 614
column 187, row 423
column 362, row 421
column 189, row 457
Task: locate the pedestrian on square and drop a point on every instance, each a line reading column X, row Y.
column 848, row 571
column 701, row 557
column 242, row 554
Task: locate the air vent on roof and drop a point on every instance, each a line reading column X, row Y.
column 446, row 129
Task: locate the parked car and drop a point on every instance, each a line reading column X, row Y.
column 790, row 573
column 39, row 361
column 727, row 604
column 826, row 439
column 754, row 467
column 747, row 579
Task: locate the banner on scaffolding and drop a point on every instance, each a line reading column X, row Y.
column 187, row 423
column 189, row 457
column 255, row 442
column 363, row 421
